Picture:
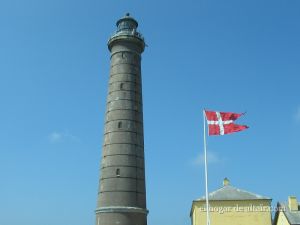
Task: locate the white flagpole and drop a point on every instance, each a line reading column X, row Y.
column 206, row 177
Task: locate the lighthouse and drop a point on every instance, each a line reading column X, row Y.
column 122, row 189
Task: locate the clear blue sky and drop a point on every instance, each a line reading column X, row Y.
column 223, row 55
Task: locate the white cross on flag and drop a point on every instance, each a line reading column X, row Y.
column 220, row 123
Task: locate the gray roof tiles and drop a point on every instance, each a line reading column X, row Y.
column 229, row 192
column 292, row 216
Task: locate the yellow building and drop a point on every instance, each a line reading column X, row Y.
column 232, row 206
column 288, row 214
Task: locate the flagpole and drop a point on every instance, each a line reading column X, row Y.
column 206, row 177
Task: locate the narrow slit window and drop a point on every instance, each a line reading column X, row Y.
column 120, row 125
column 121, row 86
column 118, row 172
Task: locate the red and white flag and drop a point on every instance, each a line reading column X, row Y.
column 220, row 123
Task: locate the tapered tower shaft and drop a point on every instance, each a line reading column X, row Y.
column 122, row 192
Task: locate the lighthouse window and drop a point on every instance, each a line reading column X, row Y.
column 118, row 172
column 120, row 125
column 121, row 86
column 136, row 59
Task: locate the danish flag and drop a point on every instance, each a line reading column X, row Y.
column 220, row 123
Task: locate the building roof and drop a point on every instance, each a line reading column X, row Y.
column 229, row 192
column 292, row 216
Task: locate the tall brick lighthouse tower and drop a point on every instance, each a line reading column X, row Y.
column 122, row 192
